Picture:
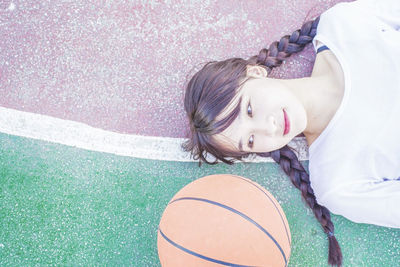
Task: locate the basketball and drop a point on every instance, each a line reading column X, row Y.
column 223, row 220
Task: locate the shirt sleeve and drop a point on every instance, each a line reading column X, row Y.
column 387, row 11
column 367, row 202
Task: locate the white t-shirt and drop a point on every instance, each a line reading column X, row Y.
column 355, row 163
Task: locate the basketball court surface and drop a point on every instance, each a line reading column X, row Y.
column 91, row 122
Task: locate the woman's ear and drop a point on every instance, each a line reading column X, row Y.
column 256, row 71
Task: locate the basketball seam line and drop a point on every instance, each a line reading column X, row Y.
column 250, row 182
column 239, row 213
column 199, row 255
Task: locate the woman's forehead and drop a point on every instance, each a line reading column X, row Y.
column 230, row 107
column 236, row 100
column 227, row 139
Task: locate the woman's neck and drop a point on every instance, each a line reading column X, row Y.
column 321, row 97
column 321, row 93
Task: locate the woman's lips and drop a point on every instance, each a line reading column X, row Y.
column 287, row 123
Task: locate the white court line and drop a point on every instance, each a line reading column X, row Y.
column 80, row 135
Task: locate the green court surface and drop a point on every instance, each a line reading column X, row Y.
column 71, row 207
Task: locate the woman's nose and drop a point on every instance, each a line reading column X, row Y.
column 268, row 126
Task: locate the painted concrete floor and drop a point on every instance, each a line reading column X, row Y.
column 118, row 65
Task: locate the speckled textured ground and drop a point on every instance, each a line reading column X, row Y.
column 66, row 206
column 118, row 65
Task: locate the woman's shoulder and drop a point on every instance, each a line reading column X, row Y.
column 327, row 66
column 326, row 63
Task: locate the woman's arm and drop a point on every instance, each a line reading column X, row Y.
column 367, row 202
column 386, row 10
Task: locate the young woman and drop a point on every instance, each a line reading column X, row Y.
column 348, row 110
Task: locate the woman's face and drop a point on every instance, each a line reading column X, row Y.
column 260, row 125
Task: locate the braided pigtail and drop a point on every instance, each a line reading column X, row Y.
column 285, row 157
column 287, row 45
column 290, row 164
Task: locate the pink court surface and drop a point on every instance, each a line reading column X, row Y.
column 121, row 66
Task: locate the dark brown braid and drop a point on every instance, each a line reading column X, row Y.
column 287, row 45
column 285, row 157
column 290, row 164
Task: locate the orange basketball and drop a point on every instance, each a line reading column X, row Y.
column 223, row 220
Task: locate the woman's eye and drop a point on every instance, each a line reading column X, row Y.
column 251, row 141
column 249, row 110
